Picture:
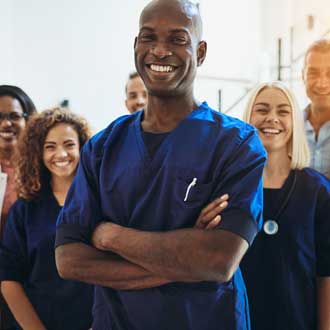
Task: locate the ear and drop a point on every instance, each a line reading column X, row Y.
column 201, row 52
column 303, row 74
column 135, row 41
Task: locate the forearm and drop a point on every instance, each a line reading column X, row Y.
column 84, row 263
column 182, row 255
column 20, row 306
column 323, row 303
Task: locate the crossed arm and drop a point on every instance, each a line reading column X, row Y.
column 140, row 259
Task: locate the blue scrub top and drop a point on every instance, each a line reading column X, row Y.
column 280, row 270
column 27, row 256
column 118, row 180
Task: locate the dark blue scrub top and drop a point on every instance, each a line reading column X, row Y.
column 118, row 180
column 280, row 270
column 27, row 256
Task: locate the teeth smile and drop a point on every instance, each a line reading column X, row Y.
column 270, row 131
column 62, row 163
column 161, row 68
column 7, row 134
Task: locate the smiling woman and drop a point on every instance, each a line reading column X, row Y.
column 287, row 269
column 47, row 160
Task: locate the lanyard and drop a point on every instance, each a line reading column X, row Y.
column 270, row 226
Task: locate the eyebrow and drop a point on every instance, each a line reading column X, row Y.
column 279, row 106
column 53, row 142
column 179, row 30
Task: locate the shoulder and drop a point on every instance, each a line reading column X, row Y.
column 314, row 179
column 230, row 126
column 96, row 144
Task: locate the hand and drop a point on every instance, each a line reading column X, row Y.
column 209, row 217
column 104, row 234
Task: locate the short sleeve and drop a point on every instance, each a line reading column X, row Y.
column 242, row 180
column 13, row 247
column 322, row 232
column 81, row 212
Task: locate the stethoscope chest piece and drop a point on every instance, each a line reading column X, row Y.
column 270, row 227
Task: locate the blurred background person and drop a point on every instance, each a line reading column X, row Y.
column 136, row 93
column 48, row 155
column 15, row 109
column 316, row 76
column 287, row 269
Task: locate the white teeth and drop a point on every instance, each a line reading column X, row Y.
column 6, row 134
column 61, row 163
column 161, row 68
column 270, row 130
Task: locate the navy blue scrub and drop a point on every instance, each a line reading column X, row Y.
column 280, row 270
column 119, row 180
column 27, row 256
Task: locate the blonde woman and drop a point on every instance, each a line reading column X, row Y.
column 287, row 269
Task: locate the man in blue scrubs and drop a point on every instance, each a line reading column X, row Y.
column 128, row 222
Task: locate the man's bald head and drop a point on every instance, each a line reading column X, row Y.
column 187, row 7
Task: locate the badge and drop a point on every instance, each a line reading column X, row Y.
column 270, row 227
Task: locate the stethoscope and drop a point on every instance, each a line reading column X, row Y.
column 270, row 226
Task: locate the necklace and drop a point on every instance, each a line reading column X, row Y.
column 270, row 226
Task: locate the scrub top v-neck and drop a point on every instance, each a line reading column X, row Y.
column 207, row 155
column 27, row 256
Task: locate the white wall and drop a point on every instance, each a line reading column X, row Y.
column 6, row 40
column 75, row 50
column 83, row 50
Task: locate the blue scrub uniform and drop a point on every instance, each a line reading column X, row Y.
column 118, row 180
column 280, row 270
column 27, row 256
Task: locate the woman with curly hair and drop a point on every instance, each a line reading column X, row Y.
column 39, row 299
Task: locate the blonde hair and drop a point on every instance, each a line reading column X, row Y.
column 298, row 146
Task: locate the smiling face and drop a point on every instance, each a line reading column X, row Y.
column 167, row 49
column 316, row 75
column 61, row 151
column 272, row 116
column 136, row 95
column 10, row 128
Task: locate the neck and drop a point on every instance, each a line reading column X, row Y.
column 163, row 114
column 60, row 187
column 318, row 116
column 277, row 169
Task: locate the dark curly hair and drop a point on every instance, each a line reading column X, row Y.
column 32, row 175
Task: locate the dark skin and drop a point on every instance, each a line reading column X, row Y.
column 167, row 53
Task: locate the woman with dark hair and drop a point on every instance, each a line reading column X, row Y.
column 15, row 109
column 48, row 155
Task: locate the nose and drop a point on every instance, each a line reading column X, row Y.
column 6, row 122
column 160, row 50
column 272, row 117
column 141, row 101
column 61, row 153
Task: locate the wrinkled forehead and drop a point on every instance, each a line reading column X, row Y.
column 173, row 15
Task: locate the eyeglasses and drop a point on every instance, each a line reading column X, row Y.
column 12, row 116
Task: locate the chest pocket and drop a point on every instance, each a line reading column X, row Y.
column 190, row 196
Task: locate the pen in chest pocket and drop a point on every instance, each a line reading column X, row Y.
column 192, row 184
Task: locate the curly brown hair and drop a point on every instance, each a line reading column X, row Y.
column 31, row 174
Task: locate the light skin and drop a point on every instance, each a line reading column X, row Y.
column 272, row 112
column 272, row 116
column 316, row 76
column 167, row 53
column 10, row 129
column 136, row 95
column 60, row 156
